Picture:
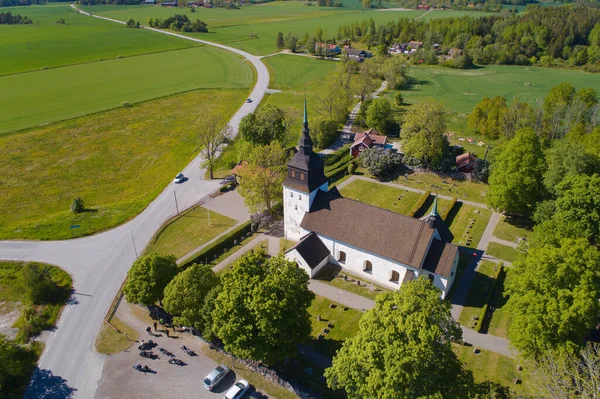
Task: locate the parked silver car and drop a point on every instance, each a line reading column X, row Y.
column 237, row 390
column 214, row 377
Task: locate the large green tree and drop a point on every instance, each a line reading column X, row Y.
column 261, row 178
column 324, row 131
column 16, row 365
column 567, row 157
column 487, row 116
column 184, row 295
column 553, row 297
column 263, row 126
column 403, row 349
column 148, row 277
column 516, row 178
column 422, row 134
column 261, row 313
column 379, row 115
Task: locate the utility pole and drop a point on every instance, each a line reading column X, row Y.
column 207, row 210
column 176, row 205
column 134, row 247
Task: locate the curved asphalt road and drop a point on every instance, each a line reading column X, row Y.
column 98, row 264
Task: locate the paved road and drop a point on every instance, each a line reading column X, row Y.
column 98, row 264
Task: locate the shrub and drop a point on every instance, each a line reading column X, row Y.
column 380, row 162
column 77, row 205
column 419, row 203
column 399, row 98
column 336, row 156
column 208, row 253
column 352, row 168
column 125, row 104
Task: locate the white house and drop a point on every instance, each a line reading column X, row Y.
column 374, row 243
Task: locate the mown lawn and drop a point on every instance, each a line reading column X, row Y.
column 498, row 324
column 190, row 230
column 511, row 230
column 366, row 288
column 382, row 196
column 462, row 189
column 293, row 70
column 111, row 341
column 460, row 224
column 344, row 325
column 477, row 296
column 46, row 44
column 35, row 98
column 117, row 161
column 503, row 252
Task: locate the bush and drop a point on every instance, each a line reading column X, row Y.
column 380, row 162
column 399, row 98
column 219, row 246
column 125, row 104
column 324, row 132
column 419, row 203
column 352, row 168
column 337, row 156
column 77, row 205
column 446, row 211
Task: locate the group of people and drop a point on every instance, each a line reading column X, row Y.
column 166, row 330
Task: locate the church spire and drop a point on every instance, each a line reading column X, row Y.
column 305, row 145
column 434, row 211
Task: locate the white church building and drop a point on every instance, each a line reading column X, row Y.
column 376, row 244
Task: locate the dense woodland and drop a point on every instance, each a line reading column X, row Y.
column 7, row 18
column 178, row 23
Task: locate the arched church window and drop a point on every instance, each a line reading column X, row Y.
column 368, row 267
column 301, row 176
column 394, row 277
column 293, row 173
column 342, row 257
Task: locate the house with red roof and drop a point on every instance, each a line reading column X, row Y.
column 465, row 163
column 369, row 139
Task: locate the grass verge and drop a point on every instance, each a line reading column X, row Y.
column 190, row 230
column 462, row 189
column 478, row 293
column 111, row 341
column 500, row 320
column 367, row 288
column 511, row 229
column 468, row 222
column 503, row 252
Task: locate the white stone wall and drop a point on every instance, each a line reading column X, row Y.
column 295, row 204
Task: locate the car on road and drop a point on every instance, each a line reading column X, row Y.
column 214, row 377
column 249, row 100
column 179, row 178
column 237, row 390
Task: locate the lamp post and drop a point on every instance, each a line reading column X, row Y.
column 134, row 247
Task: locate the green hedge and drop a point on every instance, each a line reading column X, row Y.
column 446, row 211
column 224, row 243
column 344, row 161
column 419, row 203
column 484, row 309
column 336, row 174
column 336, row 156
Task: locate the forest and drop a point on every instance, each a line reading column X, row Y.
column 7, row 18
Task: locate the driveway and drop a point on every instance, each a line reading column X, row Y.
column 69, row 367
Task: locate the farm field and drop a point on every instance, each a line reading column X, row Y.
column 46, row 44
column 235, row 27
column 62, row 93
column 437, row 14
column 117, row 161
column 460, row 91
column 292, row 70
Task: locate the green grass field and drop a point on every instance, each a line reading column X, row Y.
column 46, row 44
column 291, row 70
column 498, row 324
column 477, row 296
column 462, row 189
column 460, row 91
column 109, row 341
column 460, row 224
column 511, row 230
column 503, row 252
column 190, row 230
column 41, row 97
column 235, row 27
column 117, row 161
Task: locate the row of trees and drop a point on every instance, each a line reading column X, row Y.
column 178, row 23
column 7, row 18
column 562, row 110
column 258, row 309
column 562, row 36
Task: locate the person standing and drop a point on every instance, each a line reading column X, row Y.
column 155, row 324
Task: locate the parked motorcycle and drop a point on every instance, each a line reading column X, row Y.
column 176, row 361
column 146, row 345
column 188, row 351
column 166, row 352
column 143, row 369
column 148, row 354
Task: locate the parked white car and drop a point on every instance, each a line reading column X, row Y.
column 215, row 377
column 237, row 390
column 179, row 178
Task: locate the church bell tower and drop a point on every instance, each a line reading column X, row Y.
column 305, row 177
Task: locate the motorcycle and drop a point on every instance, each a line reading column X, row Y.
column 144, row 368
column 176, row 361
column 148, row 354
column 188, row 351
column 146, row 345
column 166, row 352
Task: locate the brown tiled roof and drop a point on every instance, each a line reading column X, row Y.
column 369, row 138
column 437, row 222
column 388, row 234
column 312, row 249
column 440, row 258
column 465, row 159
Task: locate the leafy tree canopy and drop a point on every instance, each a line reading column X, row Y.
column 567, row 157
column 402, row 349
column 184, row 295
column 380, row 162
column 263, row 126
column 553, row 299
column 516, row 183
column 261, row 313
column 379, row 115
column 423, row 134
column 148, row 277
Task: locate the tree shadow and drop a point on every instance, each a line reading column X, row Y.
column 46, row 385
column 520, row 222
column 421, row 212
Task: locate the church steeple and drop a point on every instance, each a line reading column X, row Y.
column 305, row 146
column 434, row 211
